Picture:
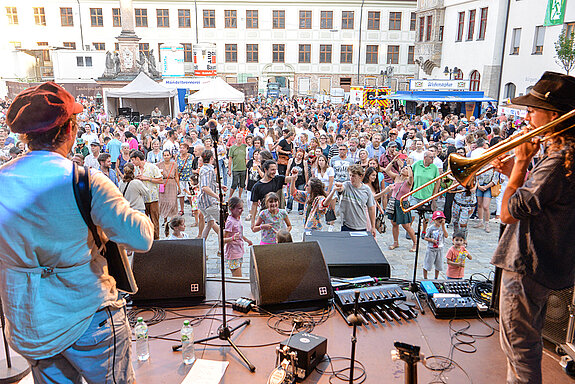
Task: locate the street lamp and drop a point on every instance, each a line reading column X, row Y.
column 386, row 74
column 99, row 98
column 449, row 72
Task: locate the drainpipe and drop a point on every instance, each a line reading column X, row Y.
column 81, row 30
column 503, row 52
column 359, row 45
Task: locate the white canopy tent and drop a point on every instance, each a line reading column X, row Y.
column 142, row 94
column 215, row 91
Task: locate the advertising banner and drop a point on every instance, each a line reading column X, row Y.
column 172, row 61
column 555, row 12
column 204, row 55
column 438, row 85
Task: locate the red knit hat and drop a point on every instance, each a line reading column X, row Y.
column 39, row 109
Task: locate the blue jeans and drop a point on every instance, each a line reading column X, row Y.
column 224, row 171
column 92, row 355
column 289, row 204
column 345, row 228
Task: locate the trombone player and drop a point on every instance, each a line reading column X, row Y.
column 536, row 251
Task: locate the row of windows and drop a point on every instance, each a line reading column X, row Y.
column 209, row 18
column 471, row 25
column 538, row 39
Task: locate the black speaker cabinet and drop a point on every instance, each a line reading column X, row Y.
column 289, row 273
column 171, row 273
column 557, row 316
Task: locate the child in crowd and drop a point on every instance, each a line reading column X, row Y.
column 456, row 257
column 178, row 226
column 435, row 237
column 315, row 199
column 270, row 219
column 284, row 236
column 234, row 237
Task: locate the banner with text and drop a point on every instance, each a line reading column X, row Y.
column 438, row 85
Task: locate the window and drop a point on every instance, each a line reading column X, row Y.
column 12, row 14
column 163, row 16
column 345, row 83
column 475, row 79
column 482, row 24
column 79, row 61
column 394, row 21
column 346, row 54
column 116, row 18
column 392, row 54
column 66, row 17
column 458, row 75
column 471, row 25
column 187, row 49
column 141, row 17
column 509, row 90
column 99, row 46
column 371, row 53
column 69, row 44
column 428, row 28
column 278, row 19
column 231, row 18
column 209, row 18
column 304, row 19
column 440, row 37
column 413, row 21
column 251, row 53
column 373, row 20
column 117, row 47
column 347, row 20
column 278, row 53
column 569, row 29
column 231, row 53
column 45, row 52
column 304, row 53
column 515, row 41
column 88, row 61
column 326, row 20
column 410, row 54
column 460, row 26
column 39, row 16
column 96, row 18
column 144, row 48
column 538, row 40
column 252, row 19
column 325, row 53
column 184, row 19
column 421, row 28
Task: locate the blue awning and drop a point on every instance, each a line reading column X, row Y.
column 443, row 96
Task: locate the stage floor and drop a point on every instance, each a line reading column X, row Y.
column 373, row 350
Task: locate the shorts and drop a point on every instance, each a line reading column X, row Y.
column 92, row 354
column 486, row 193
column 183, row 189
column 238, row 179
column 211, row 213
column 234, row 263
column 433, row 258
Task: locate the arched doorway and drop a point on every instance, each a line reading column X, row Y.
column 509, row 90
column 474, row 81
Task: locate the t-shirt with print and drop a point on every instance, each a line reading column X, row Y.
column 456, row 256
column 435, row 233
column 269, row 235
column 253, row 175
column 340, row 166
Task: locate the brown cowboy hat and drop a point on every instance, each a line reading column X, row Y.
column 554, row 92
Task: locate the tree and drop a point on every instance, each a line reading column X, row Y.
column 565, row 48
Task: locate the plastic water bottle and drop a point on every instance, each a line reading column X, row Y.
column 142, row 346
column 188, row 349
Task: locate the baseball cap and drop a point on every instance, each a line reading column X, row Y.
column 437, row 215
column 41, row 108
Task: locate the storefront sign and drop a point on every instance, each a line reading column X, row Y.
column 438, row 85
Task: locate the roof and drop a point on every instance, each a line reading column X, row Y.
column 216, row 91
column 446, row 96
column 142, row 87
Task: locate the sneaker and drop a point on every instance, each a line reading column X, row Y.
column 487, row 229
column 478, row 224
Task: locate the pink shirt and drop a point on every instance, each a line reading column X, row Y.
column 456, row 256
column 235, row 248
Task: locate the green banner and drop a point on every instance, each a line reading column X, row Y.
column 555, row 12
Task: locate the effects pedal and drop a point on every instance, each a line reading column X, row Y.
column 452, row 306
column 243, row 305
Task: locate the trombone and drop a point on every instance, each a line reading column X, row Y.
column 464, row 169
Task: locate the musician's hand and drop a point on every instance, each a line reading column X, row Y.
column 502, row 167
column 526, row 151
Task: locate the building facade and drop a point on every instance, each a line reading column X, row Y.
column 310, row 46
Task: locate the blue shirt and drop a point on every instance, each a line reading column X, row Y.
column 114, row 149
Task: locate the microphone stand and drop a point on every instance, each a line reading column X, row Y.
column 413, row 286
column 16, row 366
column 355, row 320
column 224, row 332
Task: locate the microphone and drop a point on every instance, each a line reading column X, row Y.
column 213, row 127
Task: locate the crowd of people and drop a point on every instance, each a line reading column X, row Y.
column 364, row 159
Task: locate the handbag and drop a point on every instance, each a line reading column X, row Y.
column 162, row 187
column 118, row 263
column 390, row 207
column 495, row 190
column 380, row 219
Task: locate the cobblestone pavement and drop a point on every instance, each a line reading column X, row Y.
column 481, row 246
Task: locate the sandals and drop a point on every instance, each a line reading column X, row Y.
column 413, row 249
column 393, row 246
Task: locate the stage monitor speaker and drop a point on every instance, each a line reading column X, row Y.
column 125, row 111
column 171, row 273
column 557, row 316
column 289, row 274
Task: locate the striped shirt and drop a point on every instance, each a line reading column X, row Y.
column 207, row 179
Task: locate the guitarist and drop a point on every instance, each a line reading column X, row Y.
column 62, row 308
